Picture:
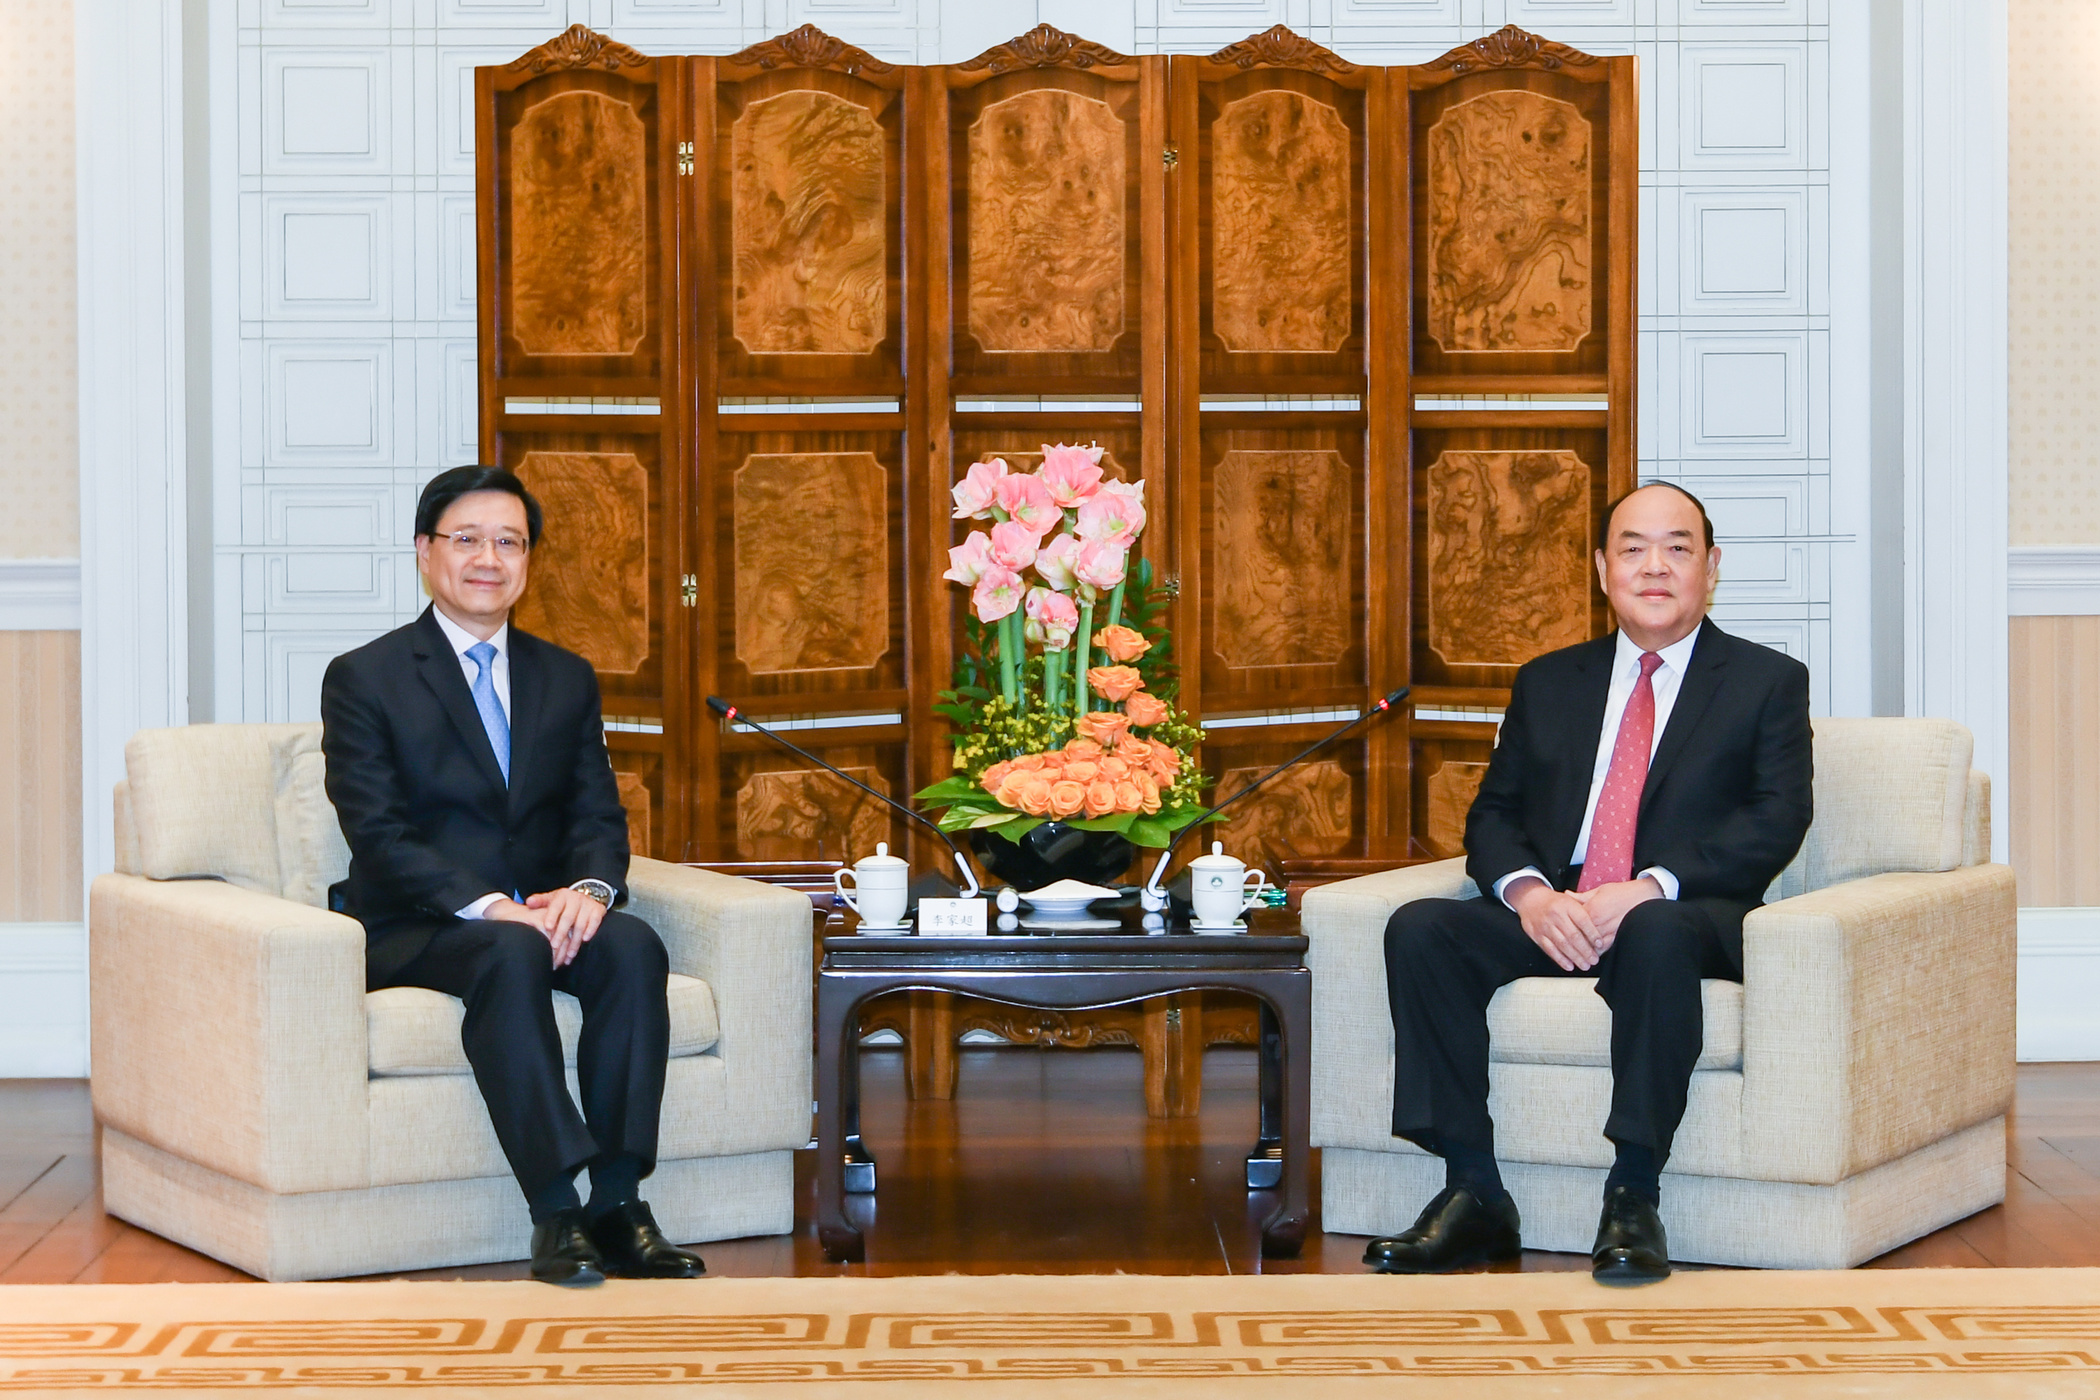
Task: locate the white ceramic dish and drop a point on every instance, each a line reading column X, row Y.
column 1063, row 902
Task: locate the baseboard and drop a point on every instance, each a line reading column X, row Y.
column 43, row 1001
column 2059, row 984
column 39, row 595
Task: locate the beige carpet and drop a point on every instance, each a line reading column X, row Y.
column 1952, row 1332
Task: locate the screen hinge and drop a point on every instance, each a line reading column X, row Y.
column 685, row 157
column 689, row 589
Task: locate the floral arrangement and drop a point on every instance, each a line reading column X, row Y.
column 1060, row 719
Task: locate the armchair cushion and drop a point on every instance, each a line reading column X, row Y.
column 413, row 1030
column 311, row 852
column 1562, row 1021
column 193, row 800
column 1891, row 794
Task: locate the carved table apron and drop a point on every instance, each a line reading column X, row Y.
column 1068, row 972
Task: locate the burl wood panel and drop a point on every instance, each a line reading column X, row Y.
column 1452, row 788
column 812, row 562
column 1028, row 461
column 807, row 213
column 579, row 227
column 1280, row 224
column 1509, row 225
column 808, row 814
column 1509, row 555
column 589, row 588
column 1046, row 224
column 1280, row 559
column 1305, row 812
column 634, row 796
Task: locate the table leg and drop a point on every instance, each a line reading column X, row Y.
column 858, row 1162
column 1265, row 1162
column 929, row 1045
column 1283, row 1234
column 837, row 1086
column 1172, row 1037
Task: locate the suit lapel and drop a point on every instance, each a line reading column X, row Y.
column 1586, row 698
column 1702, row 680
column 527, row 700
column 439, row 668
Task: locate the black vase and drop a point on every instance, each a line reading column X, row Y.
column 1053, row 852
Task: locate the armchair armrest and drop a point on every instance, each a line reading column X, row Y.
column 229, row 1029
column 1344, row 926
column 1877, row 1017
column 750, row 943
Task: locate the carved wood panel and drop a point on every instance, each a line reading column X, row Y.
column 809, row 229
column 590, row 579
column 1319, row 808
column 1504, row 528
column 1449, row 760
column 773, row 806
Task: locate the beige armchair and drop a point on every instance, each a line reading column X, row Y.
column 259, row 1105
column 1852, row 1090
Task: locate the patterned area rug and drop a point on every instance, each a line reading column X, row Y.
column 1952, row 1332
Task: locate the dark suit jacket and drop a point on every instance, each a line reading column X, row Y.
column 1728, row 794
column 430, row 823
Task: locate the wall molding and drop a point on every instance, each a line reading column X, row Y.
column 39, row 595
column 43, row 1001
column 2059, row 980
column 2053, row 580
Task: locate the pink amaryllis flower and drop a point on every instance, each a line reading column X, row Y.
column 1024, row 498
column 975, row 493
column 1114, row 515
column 1099, row 564
column 1072, row 473
column 1055, row 559
column 968, row 560
column 1052, row 618
column 1013, row 545
column 997, row 594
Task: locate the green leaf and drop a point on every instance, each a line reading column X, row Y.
column 974, row 692
column 990, row 819
column 1149, row 831
column 950, row 789
column 1015, row 830
column 1117, row 822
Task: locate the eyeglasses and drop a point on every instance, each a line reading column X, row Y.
column 468, row 543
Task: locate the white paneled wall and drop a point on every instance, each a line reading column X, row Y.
column 347, row 170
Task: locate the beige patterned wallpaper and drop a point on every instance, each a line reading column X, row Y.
column 2054, row 315
column 39, row 442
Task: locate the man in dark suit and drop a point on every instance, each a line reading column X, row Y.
column 1645, row 790
column 467, row 764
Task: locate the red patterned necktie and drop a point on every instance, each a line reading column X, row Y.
column 1610, row 856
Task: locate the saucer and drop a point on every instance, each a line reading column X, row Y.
column 1236, row 926
column 884, row 928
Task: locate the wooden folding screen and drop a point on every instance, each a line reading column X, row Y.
column 746, row 319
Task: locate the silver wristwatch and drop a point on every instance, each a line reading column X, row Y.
column 596, row 889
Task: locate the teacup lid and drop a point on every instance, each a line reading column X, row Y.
column 1216, row 858
column 881, row 860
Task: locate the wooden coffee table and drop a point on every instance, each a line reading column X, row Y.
column 1068, row 971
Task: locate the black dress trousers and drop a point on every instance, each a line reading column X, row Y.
column 505, row 974
column 1444, row 958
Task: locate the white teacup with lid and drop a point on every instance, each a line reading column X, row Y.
column 878, row 895
column 1222, row 888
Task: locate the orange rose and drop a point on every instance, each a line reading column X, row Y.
column 1164, row 763
column 1104, row 727
column 1114, row 683
column 1027, row 762
column 1083, row 748
column 1134, row 750
column 1053, row 761
column 1100, row 797
column 1083, row 770
column 1129, row 796
column 1039, row 797
column 1121, row 643
column 1145, row 710
column 995, row 775
column 1115, row 768
column 1011, row 788
column 1067, row 798
column 1150, row 791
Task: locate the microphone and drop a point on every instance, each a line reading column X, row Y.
column 1153, row 897
column 735, row 716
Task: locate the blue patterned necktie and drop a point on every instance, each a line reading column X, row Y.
column 483, row 655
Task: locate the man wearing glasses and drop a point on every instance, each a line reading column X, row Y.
column 467, row 764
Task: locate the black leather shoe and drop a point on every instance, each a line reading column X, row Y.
column 562, row 1252
column 635, row 1248
column 1455, row 1230
column 1631, row 1248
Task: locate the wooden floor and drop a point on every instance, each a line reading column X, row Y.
column 1044, row 1163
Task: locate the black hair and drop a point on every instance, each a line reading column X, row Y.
column 1604, row 521
column 447, row 487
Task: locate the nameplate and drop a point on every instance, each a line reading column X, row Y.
column 953, row 918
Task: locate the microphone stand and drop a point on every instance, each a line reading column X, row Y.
column 735, row 716
column 1153, row 898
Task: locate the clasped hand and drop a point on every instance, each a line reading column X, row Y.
column 567, row 918
column 1575, row 930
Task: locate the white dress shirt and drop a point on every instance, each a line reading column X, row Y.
column 1626, row 671
column 499, row 676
